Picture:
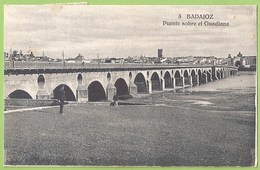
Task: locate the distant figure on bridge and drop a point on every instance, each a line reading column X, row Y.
column 62, row 98
column 115, row 98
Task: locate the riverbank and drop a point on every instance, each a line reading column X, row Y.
column 130, row 136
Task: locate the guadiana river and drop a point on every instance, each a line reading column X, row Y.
column 239, row 86
column 243, row 80
column 209, row 125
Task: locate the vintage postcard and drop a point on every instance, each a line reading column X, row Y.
column 162, row 85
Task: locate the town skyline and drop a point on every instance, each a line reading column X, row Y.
column 122, row 31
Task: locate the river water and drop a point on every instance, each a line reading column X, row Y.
column 236, row 93
column 243, row 80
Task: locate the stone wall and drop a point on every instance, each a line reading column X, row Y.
column 25, row 103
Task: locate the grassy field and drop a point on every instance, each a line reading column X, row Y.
column 171, row 131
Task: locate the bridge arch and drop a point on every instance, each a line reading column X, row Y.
column 231, row 73
column 140, row 83
column 237, row 63
column 222, row 73
column 155, row 80
column 121, row 87
column 168, row 80
column 186, row 77
column 178, row 78
column 69, row 95
column 204, row 77
column 19, row 94
column 96, row 92
column 194, row 77
column 226, row 73
column 200, row 76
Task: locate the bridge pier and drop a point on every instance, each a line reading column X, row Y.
column 132, row 89
column 191, row 80
column 162, row 84
column 211, row 77
column 219, row 75
column 204, row 77
column 183, row 81
column 173, row 84
column 214, row 75
column 111, row 90
column 149, row 85
column 43, row 94
column 226, row 74
column 82, row 93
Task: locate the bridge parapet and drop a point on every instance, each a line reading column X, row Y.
column 59, row 65
column 64, row 65
column 15, row 71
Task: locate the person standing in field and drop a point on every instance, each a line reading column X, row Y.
column 115, row 98
column 62, row 98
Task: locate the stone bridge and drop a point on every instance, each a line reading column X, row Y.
column 100, row 84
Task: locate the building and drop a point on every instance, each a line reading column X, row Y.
column 160, row 53
column 242, row 61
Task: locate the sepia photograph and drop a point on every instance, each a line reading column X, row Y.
column 130, row 85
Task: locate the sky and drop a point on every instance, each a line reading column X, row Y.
column 122, row 31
